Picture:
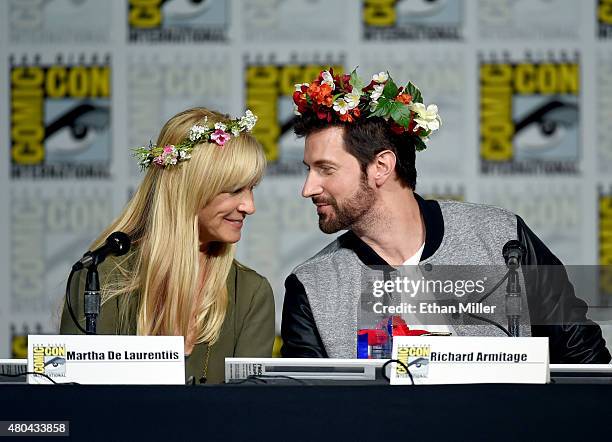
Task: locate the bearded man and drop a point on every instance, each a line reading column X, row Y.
column 360, row 149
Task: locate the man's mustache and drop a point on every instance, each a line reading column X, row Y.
column 323, row 200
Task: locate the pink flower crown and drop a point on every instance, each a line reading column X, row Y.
column 171, row 154
column 344, row 98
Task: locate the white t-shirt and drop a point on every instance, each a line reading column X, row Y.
column 416, row 258
column 414, row 261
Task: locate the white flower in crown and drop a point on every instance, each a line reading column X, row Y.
column 426, row 117
column 298, row 86
column 377, row 92
column 220, row 126
column 328, row 79
column 295, row 110
column 352, row 99
column 235, row 130
column 196, row 132
column 341, row 106
column 381, row 77
column 248, row 121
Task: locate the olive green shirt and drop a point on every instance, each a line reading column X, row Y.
column 247, row 331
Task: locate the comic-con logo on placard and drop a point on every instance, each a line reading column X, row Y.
column 412, row 19
column 269, row 90
column 59, row 21
column 529, row 115
column 177, row 21
column 416, row 358
column 604, row 19
column 49, row 360
column 60, row 118
column 605, row 244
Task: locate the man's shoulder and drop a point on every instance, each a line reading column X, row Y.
column 475, row 213
column 477, row 230
column 328, row 253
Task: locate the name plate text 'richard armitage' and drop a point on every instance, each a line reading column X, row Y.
column 470, row 360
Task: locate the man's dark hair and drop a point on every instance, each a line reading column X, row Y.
column 364, row 139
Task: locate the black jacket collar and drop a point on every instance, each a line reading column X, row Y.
column 434, row 231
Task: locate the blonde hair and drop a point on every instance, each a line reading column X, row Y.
column 161, row 218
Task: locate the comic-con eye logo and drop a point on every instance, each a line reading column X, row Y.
column 604, row 19
column 412, row 19
column 60, row 119
column 269, row 90
column 529, row 117
column 49, row 360
column 164, row 21
column 415, row 358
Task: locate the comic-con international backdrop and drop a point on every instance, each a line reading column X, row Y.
column 524, row 88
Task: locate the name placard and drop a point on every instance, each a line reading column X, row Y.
column 470, row 360
column 106, row 359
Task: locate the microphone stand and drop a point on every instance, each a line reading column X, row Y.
column 92, row 299
column 513, row 301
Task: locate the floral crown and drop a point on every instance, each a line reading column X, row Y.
column 171, row 154
column 344, row 98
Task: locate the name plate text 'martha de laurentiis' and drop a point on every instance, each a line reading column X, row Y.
column 103, row 359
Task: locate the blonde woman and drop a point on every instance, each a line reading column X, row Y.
column 180, row 277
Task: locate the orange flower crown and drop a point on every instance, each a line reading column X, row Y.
column 344, row 98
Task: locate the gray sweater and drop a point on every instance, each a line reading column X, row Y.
column 324, row 299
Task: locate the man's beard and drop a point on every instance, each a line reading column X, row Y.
column 349, row 212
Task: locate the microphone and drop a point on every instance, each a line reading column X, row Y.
column 117, row 244
column 513, row 251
